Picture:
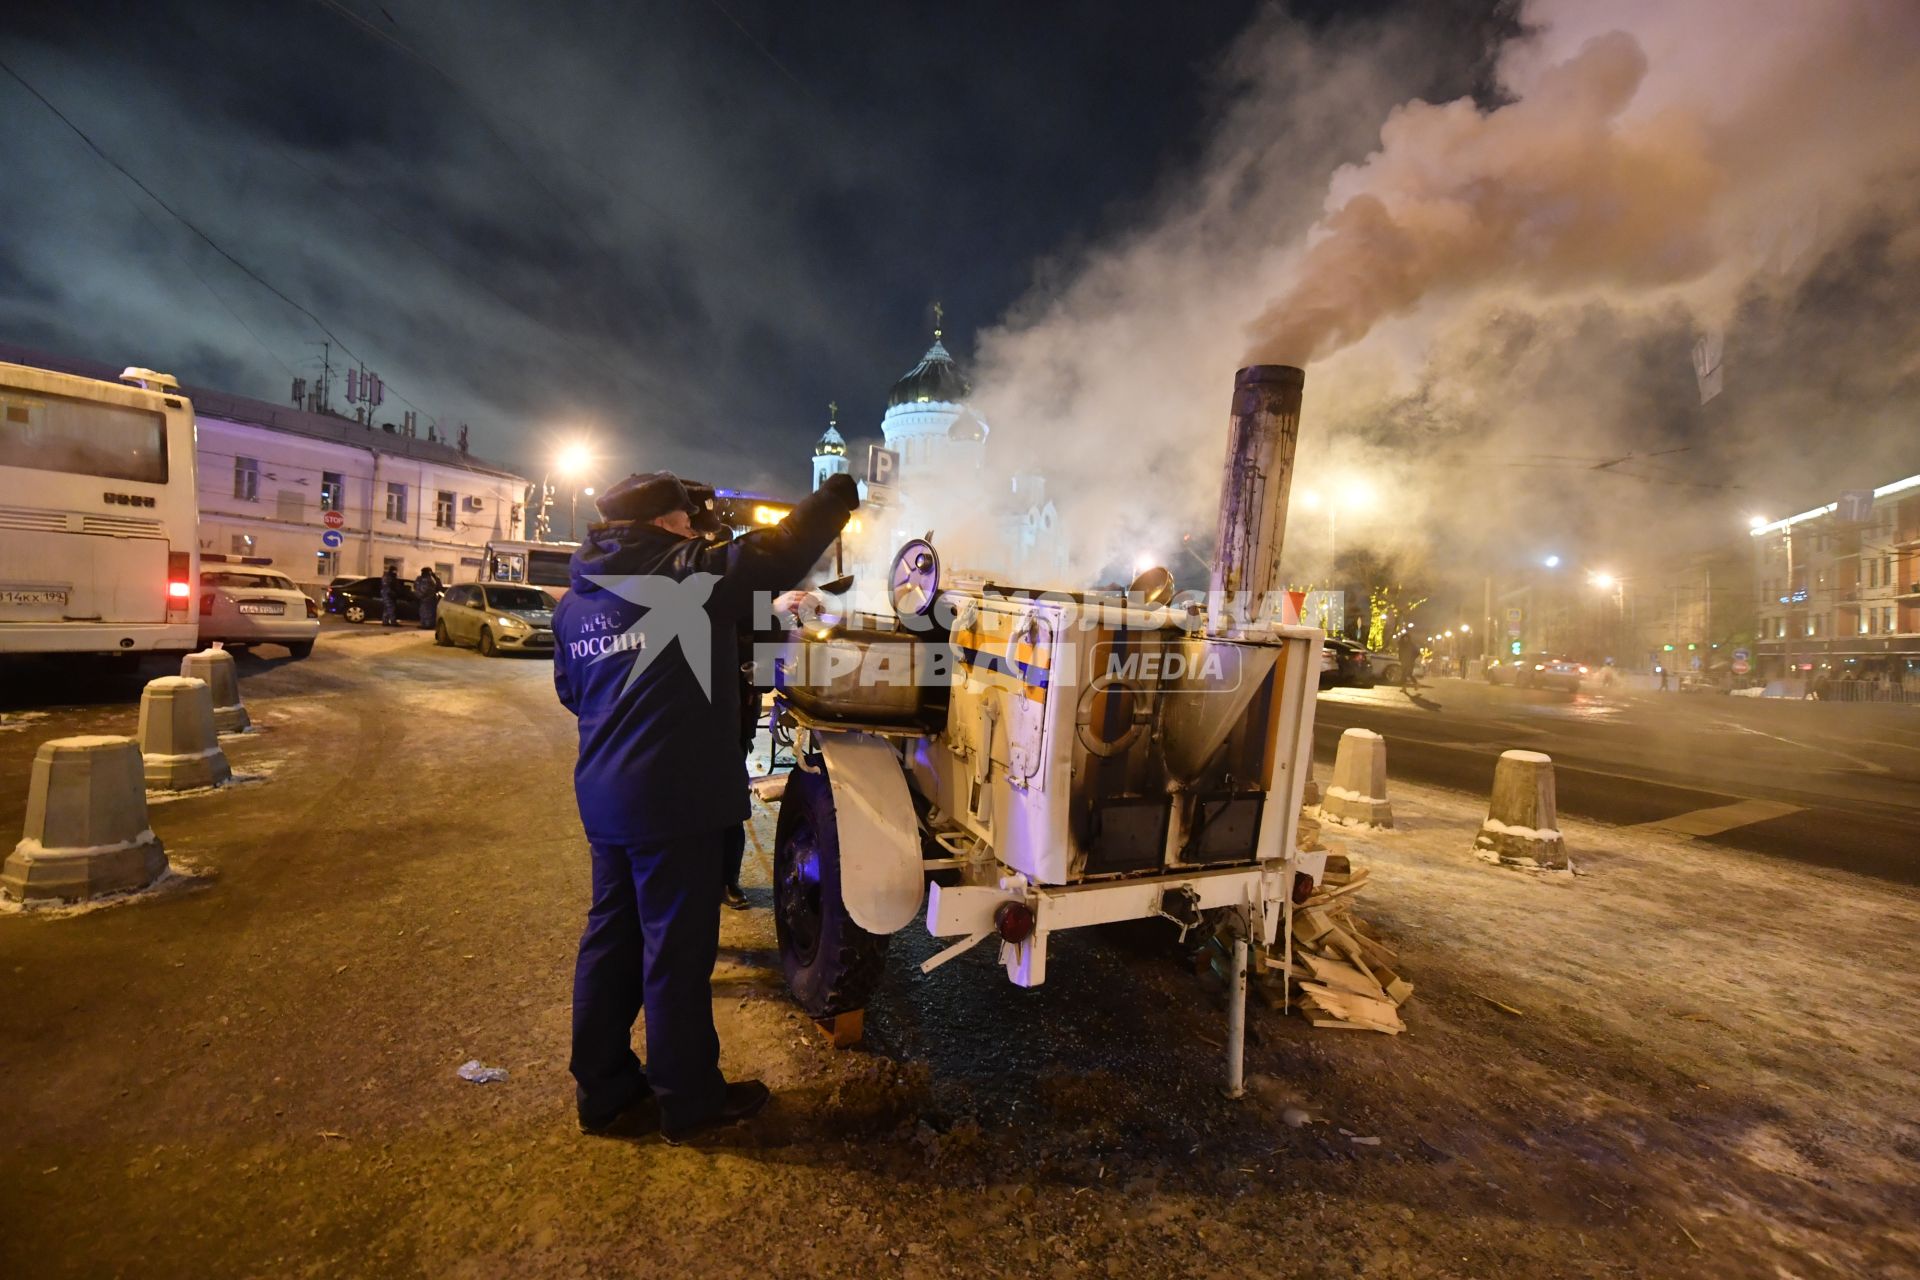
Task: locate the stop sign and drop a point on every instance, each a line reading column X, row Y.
column 333, row 519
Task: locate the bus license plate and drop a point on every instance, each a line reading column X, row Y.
column 263, row 606
column 32, row 597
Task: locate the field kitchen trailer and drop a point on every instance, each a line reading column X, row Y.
column 1022, row 762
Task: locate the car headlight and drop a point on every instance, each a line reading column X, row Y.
column 514, row 623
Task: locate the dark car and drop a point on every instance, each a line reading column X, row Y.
column 1342, row 662
column 359, row 601
column 1537, row 671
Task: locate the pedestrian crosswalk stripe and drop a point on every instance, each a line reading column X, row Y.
column 1711, row 822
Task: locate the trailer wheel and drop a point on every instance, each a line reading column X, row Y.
column 832, row 964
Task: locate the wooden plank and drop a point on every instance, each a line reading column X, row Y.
column 1354, row 1007
column 1376, row 954
column 1343, row 942
column 1343, row 976
column 1310, row 924
column 1399, row 991
column 843, row 1030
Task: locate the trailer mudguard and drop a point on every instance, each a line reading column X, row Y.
column 881, row 879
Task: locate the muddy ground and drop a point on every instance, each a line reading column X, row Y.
column 253, row 1071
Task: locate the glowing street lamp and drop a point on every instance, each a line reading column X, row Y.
column 1354, row 494
column 1757, row 522
column 1552, row 562
column 569, row 463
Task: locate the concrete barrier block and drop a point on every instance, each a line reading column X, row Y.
column 86, row 831
column 1358, row 793
column 215, row 666
column 177, row 736
column 1523, row 823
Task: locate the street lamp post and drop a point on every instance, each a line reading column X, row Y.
column 573, row 516
column 568, row 463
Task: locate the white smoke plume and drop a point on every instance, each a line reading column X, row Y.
column 1489, row 297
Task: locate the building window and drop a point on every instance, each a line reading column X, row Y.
column 246, row 479
column 390, row 562
column 333, row 491
column 445, row 571
column 443, row 509
column 326, row 565
column 242, row 544
column 397, row 503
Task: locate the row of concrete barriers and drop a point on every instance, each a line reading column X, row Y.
column 1522, row 828
column 87, row 833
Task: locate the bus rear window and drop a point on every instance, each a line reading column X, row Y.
column 550, row 568
column 52, row 433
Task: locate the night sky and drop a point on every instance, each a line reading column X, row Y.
column 685, row 226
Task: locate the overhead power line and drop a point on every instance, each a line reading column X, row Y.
column 176, row 214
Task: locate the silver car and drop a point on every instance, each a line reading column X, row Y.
column 496, row 618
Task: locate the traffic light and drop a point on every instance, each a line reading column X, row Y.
column 1515, row 648
column 1667, row 647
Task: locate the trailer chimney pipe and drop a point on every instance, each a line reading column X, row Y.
column 1253, row 494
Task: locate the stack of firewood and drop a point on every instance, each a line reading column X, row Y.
column 1339, row 974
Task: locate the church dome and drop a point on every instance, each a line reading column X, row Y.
column 934, row 379
column 831, row 445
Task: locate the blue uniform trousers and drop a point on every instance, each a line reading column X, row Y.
column 651, row 939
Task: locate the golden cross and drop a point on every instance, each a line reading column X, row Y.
column 833, row 413
column 939, row 317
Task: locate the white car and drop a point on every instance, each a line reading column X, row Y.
column 248, row 604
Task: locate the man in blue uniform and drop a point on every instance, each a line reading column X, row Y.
column 645, row 655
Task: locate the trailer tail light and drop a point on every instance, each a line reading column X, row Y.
column 179, row 585
column 1014, row 920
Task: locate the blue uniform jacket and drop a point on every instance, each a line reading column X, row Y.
column 650, row 613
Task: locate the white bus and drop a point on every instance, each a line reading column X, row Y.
column 99, row 517
column 537, row 564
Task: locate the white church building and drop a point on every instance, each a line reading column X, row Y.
column 997, row 520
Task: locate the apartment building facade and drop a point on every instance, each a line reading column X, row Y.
column 1838, row 589
column 323, row 496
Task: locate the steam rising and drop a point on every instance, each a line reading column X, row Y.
column 1498, row 296
column 1554, row 190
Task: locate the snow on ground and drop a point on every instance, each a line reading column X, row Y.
column 1791, row 983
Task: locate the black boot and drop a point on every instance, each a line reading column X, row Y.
column 744, row 1099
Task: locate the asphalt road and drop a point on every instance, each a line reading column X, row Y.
column 1829, row 784
column 251, row 1070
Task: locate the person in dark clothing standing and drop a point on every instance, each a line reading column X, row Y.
column 646, row 656
column 1409, row 662
column 426, row 589
column 389, row 592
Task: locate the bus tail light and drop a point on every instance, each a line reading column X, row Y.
column 179, row 586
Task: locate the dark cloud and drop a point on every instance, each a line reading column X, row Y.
column 631, row 217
